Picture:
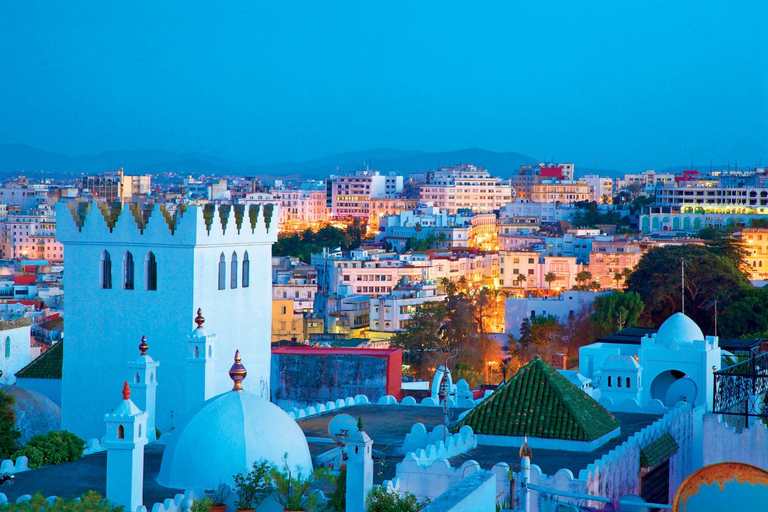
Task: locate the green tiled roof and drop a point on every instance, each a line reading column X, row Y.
column 539, row 402
column 658, row 450
column 46, row 366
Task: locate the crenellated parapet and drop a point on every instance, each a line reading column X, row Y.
column 155, row 223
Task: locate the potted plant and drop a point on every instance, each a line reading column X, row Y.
column 203, row 504
column 253, row 486
column 290, row 487
column 219, row 498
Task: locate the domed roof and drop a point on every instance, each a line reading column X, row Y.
column 35, row 413
column 678, row 330
column 226, row 435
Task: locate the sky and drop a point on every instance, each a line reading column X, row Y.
column 622, row 85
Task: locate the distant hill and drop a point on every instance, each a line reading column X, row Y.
column 19, row 158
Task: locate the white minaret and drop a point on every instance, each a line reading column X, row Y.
column 143, row 375
column 201, row 364
column 525, row 464
column 125, row 441
column 359, row 470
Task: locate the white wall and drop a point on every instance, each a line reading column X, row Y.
column 14, row 352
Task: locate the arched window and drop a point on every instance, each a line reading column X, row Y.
column 128, row 271
column 120, row 432
column 609, row 382
column 618, row 381
column 106, row 271
column 246, row 270
column 7, row 346
column 628, row 382
column 233, row 271
column 222, row 272
column 150, row 270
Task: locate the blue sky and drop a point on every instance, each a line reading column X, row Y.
column 625, row 85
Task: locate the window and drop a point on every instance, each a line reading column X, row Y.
column 150, row 269
column 233, row 271
column 246, row 270
column 106, row 271
column 618, row 381
column 7, row 346
column 128, row 271
column 609, row 382
column 222, row 272
column 120, row 432
column 627, row 381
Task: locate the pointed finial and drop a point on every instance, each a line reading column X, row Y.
column 199, row 320
column 143, row 346
column 237, row 373
column 525, row 450
column 126, row 391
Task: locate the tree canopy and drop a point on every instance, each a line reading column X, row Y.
column 305, row 244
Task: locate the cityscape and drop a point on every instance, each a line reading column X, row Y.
column 254, row 316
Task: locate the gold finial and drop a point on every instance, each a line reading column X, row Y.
column 143, row 346
column 525, row 450
column 199, row 318
column 126, row 391
column 237, row 373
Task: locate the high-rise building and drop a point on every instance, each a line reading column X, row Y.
column 465, row 187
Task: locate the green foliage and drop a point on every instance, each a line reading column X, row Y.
column 9, row 434
column 422, row 244
column 292, row 490
column 253, row 486
column 337, row 502
column 305, row 244
column 203, row 504
column 54, row 447
column 91, row 501
column 380, row 500
column 746, row 315
column 711, row 275
column 588, row 215
column 614, row 311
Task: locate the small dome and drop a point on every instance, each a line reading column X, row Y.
column 225, row 436
column 678, row 330
column 35, row 413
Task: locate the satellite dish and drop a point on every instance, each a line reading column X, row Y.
column 341, row 426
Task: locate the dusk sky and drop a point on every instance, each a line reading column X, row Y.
column 617, row 85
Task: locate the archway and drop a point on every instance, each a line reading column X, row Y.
column 645, row 225
column 674, row 386
column 686, row 224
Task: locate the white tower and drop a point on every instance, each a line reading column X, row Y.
column 125, row 441
column 359, row 470
column 143, row 375
column 525, row 475
column 157, row 267
column 201, row 364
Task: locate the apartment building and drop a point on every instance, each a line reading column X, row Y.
column 295, row 281
column 552, row 191
column 31, row 235
column 514, row 264
column 712, row 196
column 393, row 312
column 600, row 188
column 609, row 257
column 756, row 243
column 528, row 175
column 350, row 195
column 465, row 187
column 116, row 185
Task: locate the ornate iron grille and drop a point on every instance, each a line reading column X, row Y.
column 740, row 389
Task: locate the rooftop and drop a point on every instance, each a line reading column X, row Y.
column 46, row 366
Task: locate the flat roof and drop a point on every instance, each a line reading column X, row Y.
column 313, row 351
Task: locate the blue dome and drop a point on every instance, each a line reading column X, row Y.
column 225, row 436
column 678, row 330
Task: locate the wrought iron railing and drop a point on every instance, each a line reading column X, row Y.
column 740, row 389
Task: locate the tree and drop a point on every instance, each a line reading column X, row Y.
column 613, row 311
column 617, row 277
column 549, row 279
column 708, row 277
column 425, row 334
column 463, row 282
column 583, row 276
column 441, row 238
column 520, row 279
column 542, row 336
column 9, row 434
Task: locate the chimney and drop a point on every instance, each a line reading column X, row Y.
column 559, row 362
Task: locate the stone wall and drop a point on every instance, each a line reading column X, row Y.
column 747, row 446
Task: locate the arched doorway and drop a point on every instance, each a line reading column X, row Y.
column 674, row 386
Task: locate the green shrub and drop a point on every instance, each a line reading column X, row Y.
column 9, row 434
column 54, row 447
column 380, row 500
column 91, row 501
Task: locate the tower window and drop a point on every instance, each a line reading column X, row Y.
column 222, row 272
column 628, row 382
column 609, row 382
column 246, row 270
column 233, row 271
column 120, row 432
column 7, row 346
column 106, row 271
column 150, row 269
column 128, row 271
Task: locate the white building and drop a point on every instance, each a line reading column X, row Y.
column 31, row 235
column 567, row 304
column 392, row 313
column 466, row 187
column 350, row 195
column 14, row 348
column 675, row 364
column 131, row 277
column 600, row 188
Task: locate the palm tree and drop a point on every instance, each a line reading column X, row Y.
column 583, row 277
column 417, row 227
column 549, row 279
column 442, row 238
column 618, row 276
column 463, row 282
column 595, row 286
column 625, row 273
column 520, row 279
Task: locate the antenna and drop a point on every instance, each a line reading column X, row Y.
column 682, row 283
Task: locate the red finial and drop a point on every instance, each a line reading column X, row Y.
column 126, row 391
column 199, row 318
column 143, row 346
column 237, row 373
